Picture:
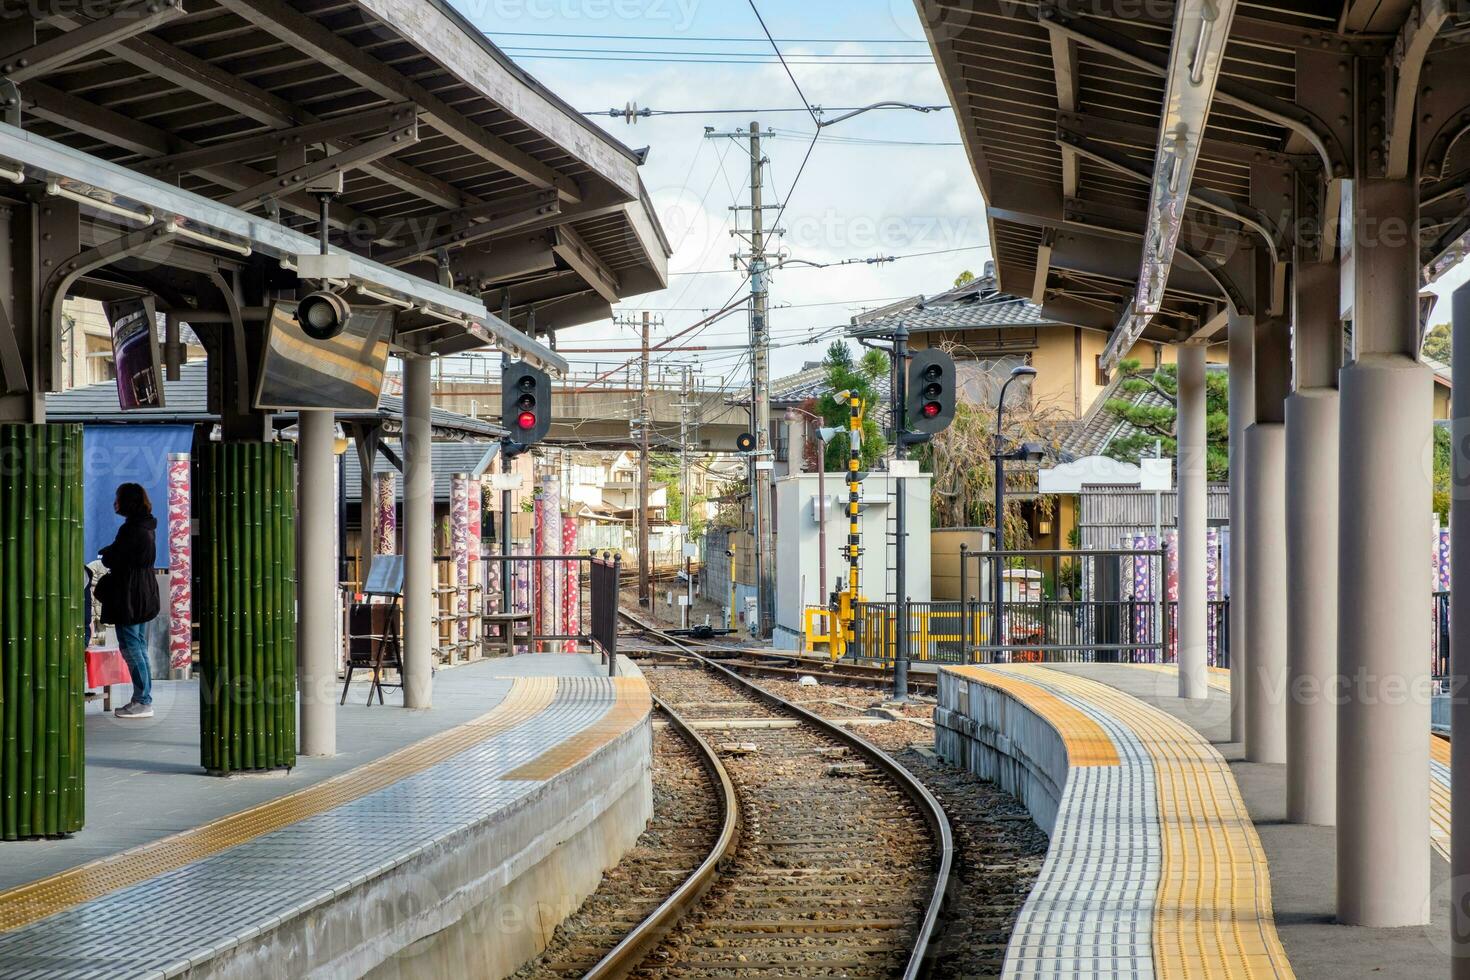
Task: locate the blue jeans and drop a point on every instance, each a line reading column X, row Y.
column 134, row 643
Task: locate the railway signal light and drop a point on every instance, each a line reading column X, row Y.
column 930, row 393
column 525, row 403
column 322, row 315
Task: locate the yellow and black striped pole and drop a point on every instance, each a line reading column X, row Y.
column 854, row 534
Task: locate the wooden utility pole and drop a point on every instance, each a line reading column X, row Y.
column 645, row 594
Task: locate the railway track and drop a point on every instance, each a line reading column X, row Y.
column 843, row 857
column 768, row 663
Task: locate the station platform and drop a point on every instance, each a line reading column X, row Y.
column 450, row 841
column 1170, row 856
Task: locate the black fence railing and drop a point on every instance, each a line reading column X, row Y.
column 1440, row 637
column 953, row 632
column 584, row 588
column 604, row 615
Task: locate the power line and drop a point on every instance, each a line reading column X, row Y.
column 842, row 262
column 646, row 113
column 802, row 95
column 796, row 60
column 823, row 55
column 721, row 40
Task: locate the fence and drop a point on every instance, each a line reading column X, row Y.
column 570, row 598
column 1043, row 631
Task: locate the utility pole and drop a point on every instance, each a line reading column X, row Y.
column 687, row 504
column 645, row 594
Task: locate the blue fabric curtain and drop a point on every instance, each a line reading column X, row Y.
column 132, row 453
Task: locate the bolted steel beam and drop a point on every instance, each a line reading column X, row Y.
column 85, row 39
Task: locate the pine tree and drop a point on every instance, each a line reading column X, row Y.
column 1155, row 424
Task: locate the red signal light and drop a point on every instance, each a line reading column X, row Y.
column 930, row 409
column 526, row 420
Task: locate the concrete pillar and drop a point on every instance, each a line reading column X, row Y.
column 1311, row 548
column 1265, row 547
column 418, row 535
column 1460, row 647
column 1384, row 580
column 1242, row 413
column 317, row 587
column 1193, row 521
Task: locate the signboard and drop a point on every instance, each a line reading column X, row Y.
column 344, row 372
column 135, row 352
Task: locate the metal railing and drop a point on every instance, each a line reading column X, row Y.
column 954, row 632
column 605, row 573
column 591, row 617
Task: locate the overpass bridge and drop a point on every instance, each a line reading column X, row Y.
column 603, row 412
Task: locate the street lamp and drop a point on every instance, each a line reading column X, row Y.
column 824, row 436
column 1026, row 451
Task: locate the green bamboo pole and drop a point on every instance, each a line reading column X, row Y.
column 245, row 568
column 41, row 580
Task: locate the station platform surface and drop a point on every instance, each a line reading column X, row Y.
column 1171, row 856
column 176, row 869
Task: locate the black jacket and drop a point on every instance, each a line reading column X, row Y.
column 129, row 592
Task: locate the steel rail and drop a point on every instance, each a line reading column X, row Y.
column 625, row 957
column 917, row 792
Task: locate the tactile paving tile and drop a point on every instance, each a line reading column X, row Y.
column 1091, row 913
column 1213, row 915
column 239, row 879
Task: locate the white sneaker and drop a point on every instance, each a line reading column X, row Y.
column 134, row 710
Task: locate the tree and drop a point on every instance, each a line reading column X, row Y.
column 664, row 471
column 1155, row 424
column 1437, row 342
column 860, row 379
column 964, row 279
column 964, row 473
column 1442, row 467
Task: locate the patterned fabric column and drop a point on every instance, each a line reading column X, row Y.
column 571, row 590
column 1212, row 591
column 470, row 628
column 42, row 577
column 385, row 514
column 246, row 595
column 1171, row 589
column 180, row 618
column 459, row 550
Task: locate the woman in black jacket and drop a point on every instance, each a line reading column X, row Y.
column 129, row 592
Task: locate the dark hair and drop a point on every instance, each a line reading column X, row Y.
column 132, row 501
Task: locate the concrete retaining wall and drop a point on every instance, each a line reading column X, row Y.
column 480, row 904
column 999, row 739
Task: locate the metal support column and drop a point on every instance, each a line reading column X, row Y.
column 900, row 541
column 1265, row 555
column 1193, row 522
column 1460, row 648
column 1384, row 580
column 1311, row 547
column 1242, row 413
column 418, row 535
column 317, row 590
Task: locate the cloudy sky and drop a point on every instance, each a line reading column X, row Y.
column 888, row 183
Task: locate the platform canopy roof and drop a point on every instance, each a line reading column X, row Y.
column 474, row 199
column 1148, row 164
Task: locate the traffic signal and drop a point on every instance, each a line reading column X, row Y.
column 323, row 314
column 930, row 395
column 525, row 403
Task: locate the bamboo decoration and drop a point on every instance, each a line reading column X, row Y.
column 42, row 681
column 245, row 572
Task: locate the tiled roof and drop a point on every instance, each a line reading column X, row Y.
column 811, row 382
column 973, row 306
column 187, row 401
column 450, row 458
column 1096, row 430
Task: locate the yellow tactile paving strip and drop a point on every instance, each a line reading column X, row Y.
column 1086, row 741
column 47, row 896
column 631, row 707
column 1213, row 917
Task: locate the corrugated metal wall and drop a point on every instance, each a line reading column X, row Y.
column 1109, row 516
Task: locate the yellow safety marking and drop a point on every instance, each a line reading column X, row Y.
column 35, row 900
column 1213, row 915
column 1439, row 799
column 631, row 707
column 1217, row 678
column 1086, row 741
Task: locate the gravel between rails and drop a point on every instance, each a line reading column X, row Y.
column 686, row 821
column 785, row 871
